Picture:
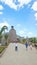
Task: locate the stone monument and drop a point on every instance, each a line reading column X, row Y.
column 12, row 35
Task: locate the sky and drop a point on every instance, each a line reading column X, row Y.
column 22, row 14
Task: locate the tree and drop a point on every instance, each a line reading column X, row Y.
column 33, row 40
column 2, row 30
column 23, row 40
column 0, row 36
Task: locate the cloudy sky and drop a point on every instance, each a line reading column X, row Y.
column 22, row 14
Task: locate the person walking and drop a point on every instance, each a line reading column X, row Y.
column 16, row 47
column 26, row 46
column 31, row 46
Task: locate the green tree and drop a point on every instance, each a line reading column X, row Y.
column 33, row 40
column 23, row 40
column 0, row 36
column 3, row 30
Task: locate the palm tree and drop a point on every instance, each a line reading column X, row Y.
column 3, row 30
column 0, row 36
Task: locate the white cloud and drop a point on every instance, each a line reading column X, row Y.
column 22, row 2
column 25, row 33
column 1, row 13
column 4, row 24
column 34, row 6
column 11, row 3
column 21, row 32
column 35, row 16
column 1, row 7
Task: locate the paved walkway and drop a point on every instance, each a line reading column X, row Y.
column 20, row 57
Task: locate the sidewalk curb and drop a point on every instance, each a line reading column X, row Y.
column 2, row 52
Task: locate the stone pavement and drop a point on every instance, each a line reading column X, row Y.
column 20, row 57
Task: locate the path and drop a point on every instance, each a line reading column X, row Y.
column 21, row 57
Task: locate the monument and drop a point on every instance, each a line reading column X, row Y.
column 12, row 35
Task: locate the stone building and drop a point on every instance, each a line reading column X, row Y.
column 12, row 35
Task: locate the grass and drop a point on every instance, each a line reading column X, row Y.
column 1, row 49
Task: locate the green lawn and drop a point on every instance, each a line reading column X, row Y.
column 1, row 49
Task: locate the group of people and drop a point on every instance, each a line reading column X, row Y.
column 26, row 45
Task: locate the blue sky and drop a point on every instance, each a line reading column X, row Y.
column 22, row 14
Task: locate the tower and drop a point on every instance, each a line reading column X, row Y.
column 12, row 35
